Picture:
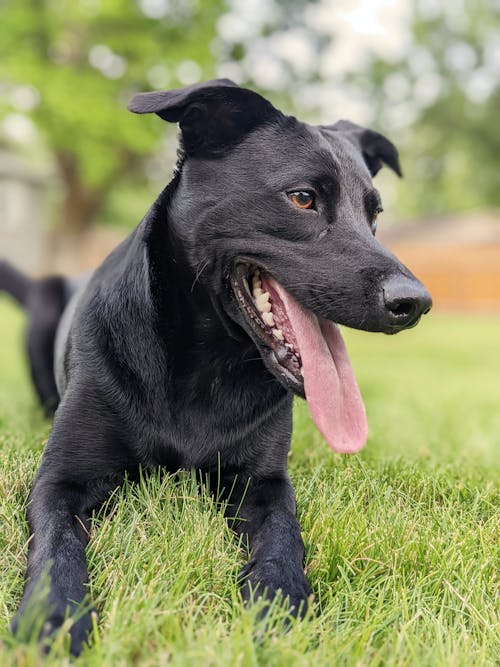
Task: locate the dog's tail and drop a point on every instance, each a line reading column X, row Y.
column 15, row 283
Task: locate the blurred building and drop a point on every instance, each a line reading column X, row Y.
column 26, row 237
column 22, row 211
column 456, row 256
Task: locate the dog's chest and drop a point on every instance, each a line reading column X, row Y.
column 222, row 423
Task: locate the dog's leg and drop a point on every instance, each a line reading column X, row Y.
column 263, row 511
column 75, row 476
column 59, row 533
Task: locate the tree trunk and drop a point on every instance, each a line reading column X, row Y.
column 81, row 204
column 80, row 207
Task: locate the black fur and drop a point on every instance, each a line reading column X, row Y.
column 161, row 367
column 14, row 282
column 44, row 301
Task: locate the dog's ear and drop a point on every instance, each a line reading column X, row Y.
column 376, row 149
column 212, row 116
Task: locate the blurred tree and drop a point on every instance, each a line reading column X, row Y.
column 447, row 88
column 72, row 66
column 270, row 46
column 437, row 95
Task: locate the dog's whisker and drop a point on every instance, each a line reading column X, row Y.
column 310, row 285
column 198, row 273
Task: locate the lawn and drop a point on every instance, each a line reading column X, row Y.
column 402, row 540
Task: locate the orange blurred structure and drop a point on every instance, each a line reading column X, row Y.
column 456, row 256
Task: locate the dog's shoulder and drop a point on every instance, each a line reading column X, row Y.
column 113, row 323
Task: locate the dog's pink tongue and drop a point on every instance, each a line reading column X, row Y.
column 330, row 386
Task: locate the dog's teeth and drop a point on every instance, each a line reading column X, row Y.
column 289, row 346
column 302, row 371
column 278, row 334
column 268, row 319
column 256, row 284
column 262, row 302
column 257, row 292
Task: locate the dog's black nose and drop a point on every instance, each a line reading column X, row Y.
column 405, row 300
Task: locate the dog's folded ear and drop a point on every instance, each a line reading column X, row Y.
column 376, row 149
column 213, row 116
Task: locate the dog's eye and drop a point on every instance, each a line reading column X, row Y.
column 302, row 199
column 373, row 223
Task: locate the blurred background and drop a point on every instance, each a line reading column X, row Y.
column 77, row 171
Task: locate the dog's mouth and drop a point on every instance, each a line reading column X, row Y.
column 266, row 315
column 306, row 353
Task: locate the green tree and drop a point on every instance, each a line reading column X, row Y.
column 438, row 98
column 79, row 63
column 444, row 92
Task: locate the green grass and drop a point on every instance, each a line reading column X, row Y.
column 402, row 541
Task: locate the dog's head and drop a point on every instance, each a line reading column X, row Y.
column 278, row 220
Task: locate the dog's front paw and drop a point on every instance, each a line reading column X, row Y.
column 44, row 627
column 271, row 577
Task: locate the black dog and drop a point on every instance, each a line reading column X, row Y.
column 185, row 348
